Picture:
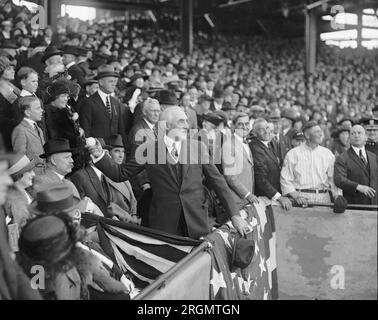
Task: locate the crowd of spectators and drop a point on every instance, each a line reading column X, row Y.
column 111, row 80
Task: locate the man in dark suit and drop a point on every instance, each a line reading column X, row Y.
column 69, row 59
column 102, row 115
column 283, row 124
column 356, row 170
column 267, row 164
column 175, row 166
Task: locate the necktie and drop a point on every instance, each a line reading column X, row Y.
column 39, row 134
column 363, row 158
column 108, row 105
column 155, row 130
column 105, row 187
column 174, row 152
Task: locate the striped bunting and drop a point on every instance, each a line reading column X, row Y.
column 143, row 252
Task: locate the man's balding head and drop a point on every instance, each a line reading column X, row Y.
column 358, row 136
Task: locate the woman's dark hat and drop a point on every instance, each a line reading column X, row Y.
column 57, row 88
column 57, row 145
column 46, row 240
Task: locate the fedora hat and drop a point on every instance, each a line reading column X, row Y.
column 114, row 141
column 57, row 145
column 20, row 164
column 51, row 51
column 213, row 118
column 106, row 71
column 275, row 115
column 55, row 197
column 167, row 97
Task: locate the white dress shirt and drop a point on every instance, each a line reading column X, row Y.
column 25, row 93
column 169, row 144
column 70, row 64
column 357, row 151
column 103, row 96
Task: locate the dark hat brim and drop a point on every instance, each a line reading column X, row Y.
column 106, row 74
column 72, row 150
column 33, row 207
column 55, row 53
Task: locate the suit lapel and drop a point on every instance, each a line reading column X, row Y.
column 372, row 162
column 121, row 187
column 93, row 178
column 357, row 160
column 28, row 127
column 185, row 158
column 100, row 105
column 148, row 131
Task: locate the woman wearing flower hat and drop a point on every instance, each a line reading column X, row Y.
column 21, row 171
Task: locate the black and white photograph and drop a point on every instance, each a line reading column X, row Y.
column 204, row 151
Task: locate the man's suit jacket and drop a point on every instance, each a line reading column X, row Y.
column 267, row 169
column 50, row 176
column 77, row 74
column 97, row 122
column 139, row 134
column 282, row 146
column 25, row 139
column 88, row 184
column 174, row 196
column 350, row 171
column 238, row 169
column 14, row 284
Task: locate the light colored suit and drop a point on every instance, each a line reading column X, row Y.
column 25, row 140
column 50, row 176
column 238, row 168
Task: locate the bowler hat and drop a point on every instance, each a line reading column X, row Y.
column 20, row 164
column 49, row 52
column 167, row 97
column 55, row 197
column 106, row 71
column 82, row 51
column 56, row 145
